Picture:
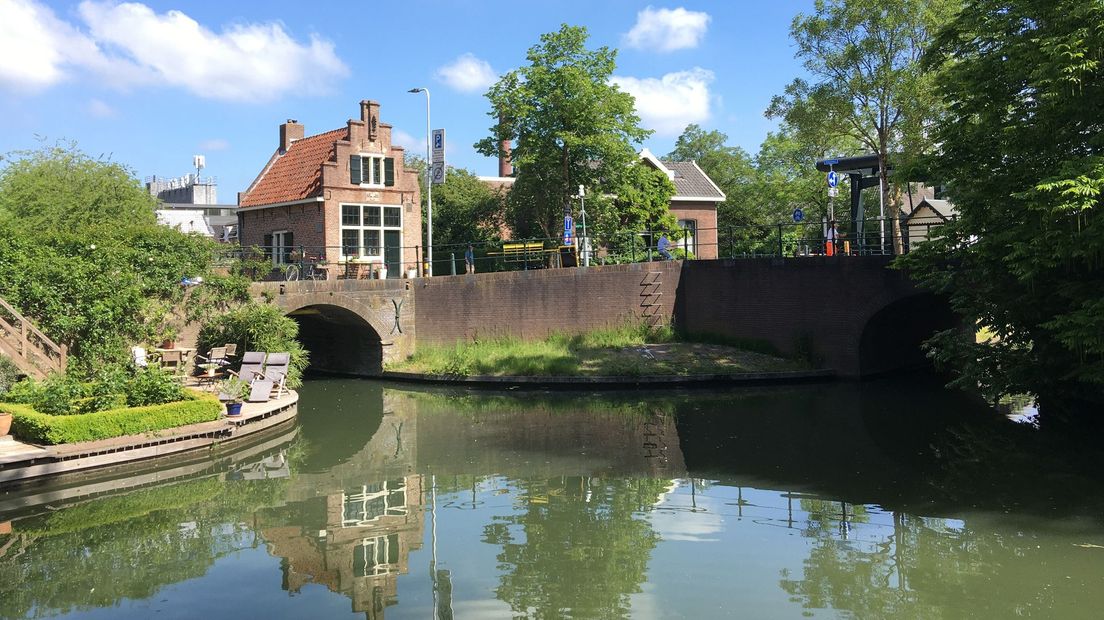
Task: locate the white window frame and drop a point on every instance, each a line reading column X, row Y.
column 279, row 249
column 362, row 248
column 362, row 497
column 681, row 243
column 367, row 178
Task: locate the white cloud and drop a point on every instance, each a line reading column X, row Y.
column 670, row 103
column 413, row 146
column 243, row 62
column 467, row 74
column 100, row 109
column 124, row 45
column 36, row 47
column 214, row 144
column 666, row 30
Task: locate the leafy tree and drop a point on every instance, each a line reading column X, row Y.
column 258, row 327
column 465, row 210
column 572, row 126
column 864, row 56
column 639, row 201
column 730, row 167
column 1022, row 149
column 85, row 259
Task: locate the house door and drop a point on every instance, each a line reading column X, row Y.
column 392, row 252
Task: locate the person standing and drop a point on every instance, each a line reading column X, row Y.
column 664, row 247
column 832, row 245
column 469, row 259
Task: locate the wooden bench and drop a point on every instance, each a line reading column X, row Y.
column 521, row 252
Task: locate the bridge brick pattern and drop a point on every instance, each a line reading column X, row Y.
column 534, row 304
column 855, row 315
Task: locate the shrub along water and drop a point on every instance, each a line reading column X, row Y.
column 37, row 427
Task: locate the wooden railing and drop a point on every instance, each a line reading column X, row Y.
column 27, row 346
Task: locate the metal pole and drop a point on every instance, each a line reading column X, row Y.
column 429, row 184
column 881, row 209
column 452, row 262
column 780, row 250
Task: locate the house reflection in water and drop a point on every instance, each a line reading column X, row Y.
column 363, row 546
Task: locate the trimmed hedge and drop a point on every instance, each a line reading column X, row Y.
column 30, row 425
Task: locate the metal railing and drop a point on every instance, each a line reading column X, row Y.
column 791, row 240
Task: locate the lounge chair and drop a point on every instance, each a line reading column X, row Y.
column 260, row 391
column 276, row 370
column 252, row 366
column 139, row 357
column 231, row 349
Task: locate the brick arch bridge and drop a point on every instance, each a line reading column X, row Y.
column 852, row 314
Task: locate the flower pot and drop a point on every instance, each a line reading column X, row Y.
column 233, row 408
column 168, row 344
column 382, row 273
column 5, row 423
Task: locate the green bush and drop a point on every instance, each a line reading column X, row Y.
column 258, row 327
column 58, row 394
column 26, row 391
column 36, row 427
column 9, row 374
column 152, row 386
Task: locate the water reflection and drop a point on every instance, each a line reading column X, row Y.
column 869, row 500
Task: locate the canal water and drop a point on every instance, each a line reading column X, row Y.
column 855, row 500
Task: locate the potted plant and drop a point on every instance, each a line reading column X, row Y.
column 233, row 391
column 5, row 422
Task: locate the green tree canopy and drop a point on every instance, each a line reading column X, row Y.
column 864, row 59
column 572, row 126
column 465, row 210
column 1022, row 150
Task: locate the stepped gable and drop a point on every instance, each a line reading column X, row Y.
column 296, row 174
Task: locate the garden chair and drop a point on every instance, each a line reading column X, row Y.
column 231, row 349
column 252, row 366
column 276, row 370
column 260, row 391
column 216, row 356
column 139, row 357
column 173, row 363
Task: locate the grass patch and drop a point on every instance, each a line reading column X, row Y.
column 30, row 425
column 630, row 350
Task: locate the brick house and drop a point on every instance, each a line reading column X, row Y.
column 343, row 194
column 694, row 204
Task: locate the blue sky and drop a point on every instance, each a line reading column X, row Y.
column 151, row 84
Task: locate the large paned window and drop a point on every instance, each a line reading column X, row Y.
column 278, row 246
column 690, row 239
column 362, row 229
column 376, row 556
column 372, row 501
column 372, row 170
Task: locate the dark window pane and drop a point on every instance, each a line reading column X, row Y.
column 372, row 242
column 350, row 240
column 377, row 175
column 371, row 216
column 350, row 215
column 392, row 216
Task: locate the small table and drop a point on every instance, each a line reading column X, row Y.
column 210, row 380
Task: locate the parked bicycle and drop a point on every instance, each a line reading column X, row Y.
column 306, row 268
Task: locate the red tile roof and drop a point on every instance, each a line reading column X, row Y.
column 295, row 175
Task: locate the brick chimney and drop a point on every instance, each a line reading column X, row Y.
column 369, row 115
column 290, row 132
column 505, row 168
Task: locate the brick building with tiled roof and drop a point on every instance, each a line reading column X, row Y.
column 343, row 194
column 694, row 204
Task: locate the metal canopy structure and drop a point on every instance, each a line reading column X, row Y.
column 862, row 171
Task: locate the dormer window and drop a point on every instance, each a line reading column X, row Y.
column 372, row 170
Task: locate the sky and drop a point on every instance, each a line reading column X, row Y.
column 151, row 84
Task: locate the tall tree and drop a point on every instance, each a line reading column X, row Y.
column 465, row 210
column 1022, row 151
column 730, row 167
column 572, row 126
column 864, row 59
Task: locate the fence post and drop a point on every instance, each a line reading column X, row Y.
column 781, row 251
column 452, row 262
column 649, row 245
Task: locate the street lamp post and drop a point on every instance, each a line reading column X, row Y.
column 586, row 241
column 429, row 184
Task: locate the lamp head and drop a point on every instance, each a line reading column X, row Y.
column 415, row 90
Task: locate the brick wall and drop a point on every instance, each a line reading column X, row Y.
column 532, row 304
column 819, row 304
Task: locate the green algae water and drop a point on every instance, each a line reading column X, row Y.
column 852, row 500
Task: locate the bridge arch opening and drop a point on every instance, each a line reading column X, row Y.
column 339, row 340
column 892, row 338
